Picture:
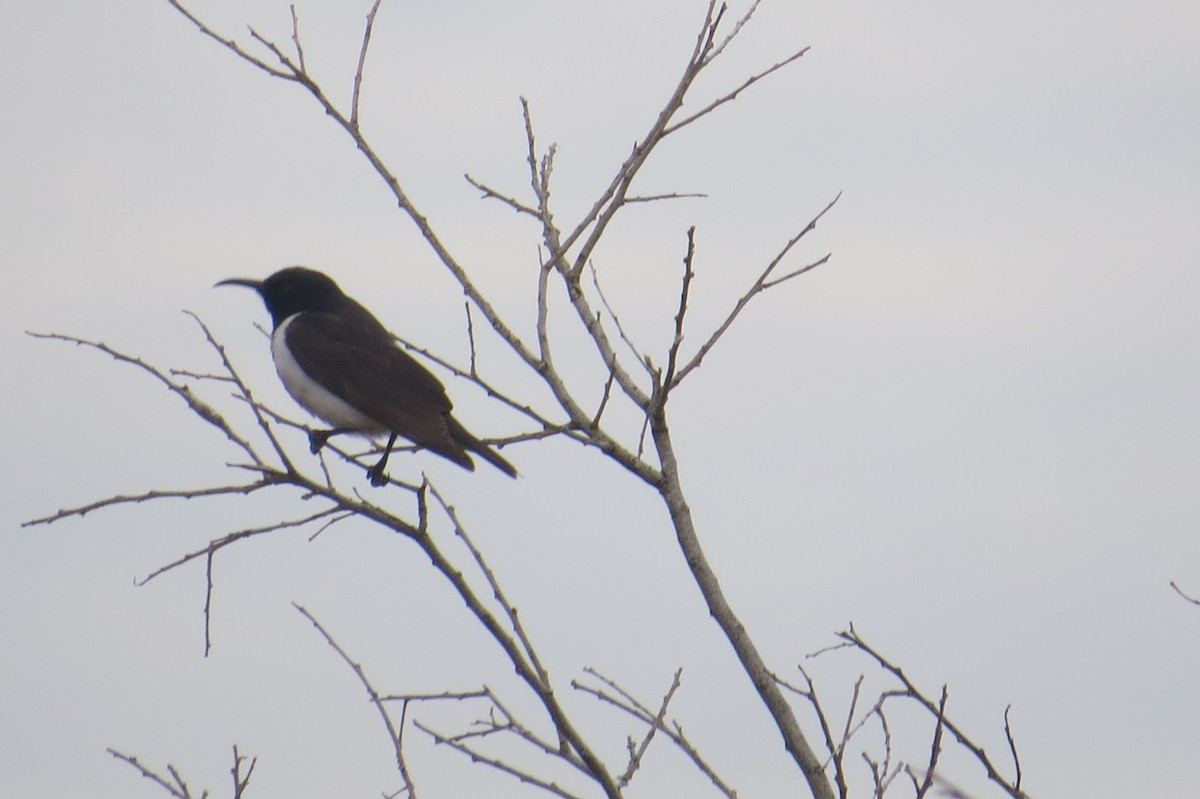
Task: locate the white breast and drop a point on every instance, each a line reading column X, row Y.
column 311, row 395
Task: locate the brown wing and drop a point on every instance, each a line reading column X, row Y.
column 377, row 378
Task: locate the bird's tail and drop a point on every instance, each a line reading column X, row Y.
column 473, row 444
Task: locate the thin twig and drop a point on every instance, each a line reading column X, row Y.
column 500, row 765
column 673, row 353
column 635, row 756
column 220, row 543
column 148, row 496
column 509, row 609
column 176, row 786
column 362, row 60
column 474, row 371
column 627, row 703
column 201, row 409
column 737, row 28
column 393, row 730
column 482, row 693
column 231, row 44
column 761, row 284
column 1012, row 748
column 244, row 391
column 296, row 38
column 637, row 354
column 915, row 694
column 603, row 400
column 1188, row 597
column 489, row 388
column 725, row 98
column 935, row 748
column 672, row 195
column 208, row 592
column 240, row 780
column 491, row 194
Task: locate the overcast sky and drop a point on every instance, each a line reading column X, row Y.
column 973, row 433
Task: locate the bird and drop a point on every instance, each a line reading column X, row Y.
column 343, row 366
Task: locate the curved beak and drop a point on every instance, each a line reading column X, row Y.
column 241, row 281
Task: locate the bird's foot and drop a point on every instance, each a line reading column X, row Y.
column 318, row 439
column 376, row 474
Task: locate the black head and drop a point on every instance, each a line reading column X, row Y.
column 292, row 290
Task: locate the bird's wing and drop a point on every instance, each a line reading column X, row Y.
column 377, row 378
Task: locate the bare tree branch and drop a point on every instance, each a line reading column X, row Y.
column 458, row 743
column 912, row 692
column 636, row 754
column 761, row 284
column 633, row 348
column 491, row 194
column 231, row 44
column 244, row 392
column 836, row 749
column 201, row 409
column 394, row 730
column 747, row 652
column 126, row 499
column 225, row 540
column 626, row 702
column 720, row 101
column 509, row 609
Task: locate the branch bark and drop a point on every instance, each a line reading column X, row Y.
column 743, row 645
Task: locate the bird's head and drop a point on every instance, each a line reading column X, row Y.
column 292, row 290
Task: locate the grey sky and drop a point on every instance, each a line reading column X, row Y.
column 973, row 433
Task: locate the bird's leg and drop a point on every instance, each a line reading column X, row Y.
column 376, row 474
column 317, row 438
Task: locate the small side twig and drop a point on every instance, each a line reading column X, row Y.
column 637, row 753
column 296, row 38
column 1012, row 748
column 240, row 780
column 362, row 60
column 763, row 283
column 685, row 284
column 147, row 496
column 174, row 786
column 637, row 354
column 491, row 194
column 1188, row 597
column 935, row 748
